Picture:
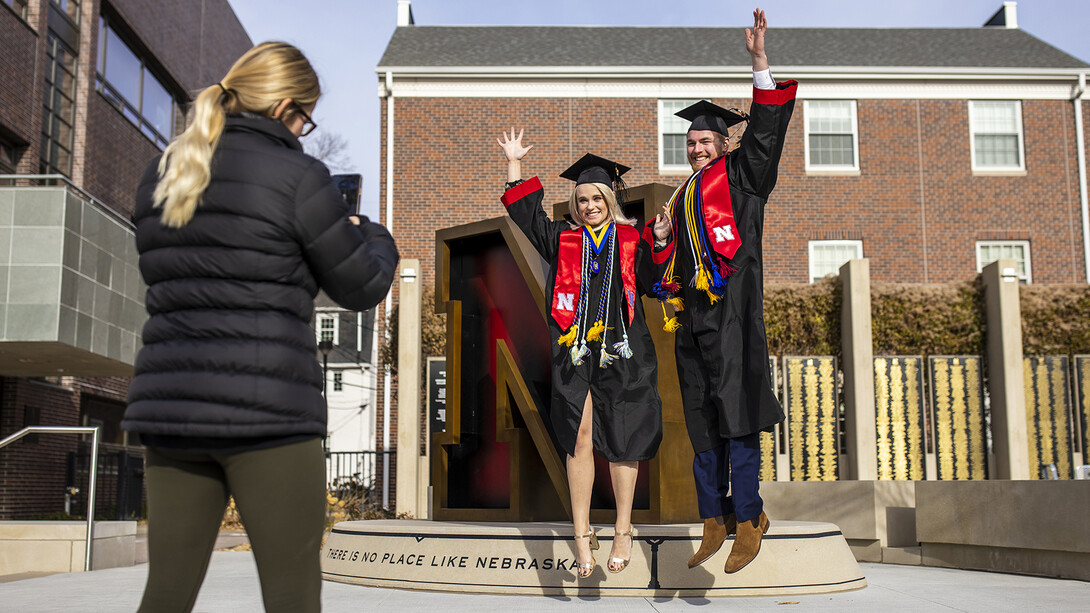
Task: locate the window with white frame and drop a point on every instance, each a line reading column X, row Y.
column 328, row 330
column 338, row 381
column 826, row 257
column 832, row 135
column 990, row 251
column 996, row 134
column 672, row 133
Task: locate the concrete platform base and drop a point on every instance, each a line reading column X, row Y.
column 60, row 546
column 539, row 559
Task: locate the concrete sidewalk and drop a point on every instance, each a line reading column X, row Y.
column 232, row 587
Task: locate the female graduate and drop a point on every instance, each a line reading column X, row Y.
column 604, row 377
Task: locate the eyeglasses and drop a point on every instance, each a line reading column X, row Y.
column 308, row 123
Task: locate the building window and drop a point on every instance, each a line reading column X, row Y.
column 327, row 328
column 826, row 257
column 69, row 8
column 990, row 251
column 672, row 133
column 19, row 6
column 832, row 135
column 338, row 381
column 9, row 158
column 126, row 81
column 58, row 108
column 996, row 127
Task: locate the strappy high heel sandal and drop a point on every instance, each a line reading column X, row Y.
column 585, row 570
column 623, row 562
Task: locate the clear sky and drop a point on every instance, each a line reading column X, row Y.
column 344, row 39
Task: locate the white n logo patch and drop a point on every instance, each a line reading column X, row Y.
column 565, row 301
column 723, row 233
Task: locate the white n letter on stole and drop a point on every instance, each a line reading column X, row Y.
column 565, row 301
column 723, row 233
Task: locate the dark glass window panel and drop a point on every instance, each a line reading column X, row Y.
column 122, row 68
column 69, row 7
column 158, row 107
column 63, row 161
column 64, row 106
column 19, row 6
column 62, row 131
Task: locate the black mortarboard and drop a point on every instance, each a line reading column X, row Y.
column 593, row 169
column 708, row 116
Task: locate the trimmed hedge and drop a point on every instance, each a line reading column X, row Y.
column 928, row 319
column 803, row 318
column 1055, row 319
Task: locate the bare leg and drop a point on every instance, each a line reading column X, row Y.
column 623, row 475
column 581, row 482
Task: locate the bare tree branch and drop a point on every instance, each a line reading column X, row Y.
column 330, row 148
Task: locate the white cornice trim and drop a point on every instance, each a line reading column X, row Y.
column 719, row 72
column 809, row 88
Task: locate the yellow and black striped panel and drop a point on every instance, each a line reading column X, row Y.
column 810, row 401
column 768, row 439
column 899, row 423
column 957, row 398
column 1082, row 380
column 1048, row 414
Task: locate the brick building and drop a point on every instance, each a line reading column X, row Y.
column 931, row 152
column 90, row 91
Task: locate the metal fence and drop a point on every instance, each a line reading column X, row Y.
column 120, row 489
column 354, row 475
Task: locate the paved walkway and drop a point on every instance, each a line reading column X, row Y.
column 231, row 587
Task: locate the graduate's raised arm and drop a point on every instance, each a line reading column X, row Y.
column 514, row 151
column 522, row 199
column 755, row 41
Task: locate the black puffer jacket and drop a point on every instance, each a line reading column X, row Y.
column 228, row 348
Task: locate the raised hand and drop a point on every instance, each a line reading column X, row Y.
column 512, row 146
column 755, row 40
column 664, row 226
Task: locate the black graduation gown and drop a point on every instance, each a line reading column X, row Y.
column 721, row 349
column 624, row 395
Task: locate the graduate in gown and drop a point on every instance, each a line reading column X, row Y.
column 711, row 271
column 604, row 372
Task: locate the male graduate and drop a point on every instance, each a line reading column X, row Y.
column 710, row 269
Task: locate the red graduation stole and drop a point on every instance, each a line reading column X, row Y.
column 722, row 231
column 566, row 286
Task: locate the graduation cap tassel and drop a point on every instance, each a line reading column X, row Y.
column 677, row 303
column 670, row 324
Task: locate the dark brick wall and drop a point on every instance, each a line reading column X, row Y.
column 18, row 77
column 32, row 474
column 117, row 155
column 172, row 31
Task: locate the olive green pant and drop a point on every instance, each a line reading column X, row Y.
column 280, row 495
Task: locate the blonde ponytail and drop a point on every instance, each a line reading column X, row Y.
column 259, row 80
column 185, row 168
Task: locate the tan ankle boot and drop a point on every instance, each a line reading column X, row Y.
column 713, row 537
column 747, row 543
